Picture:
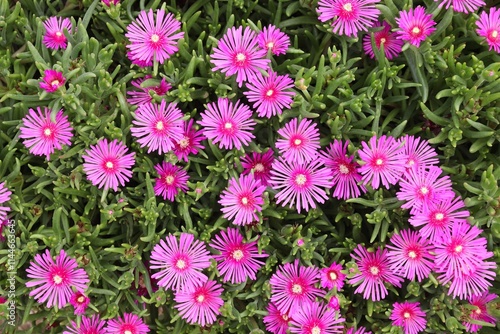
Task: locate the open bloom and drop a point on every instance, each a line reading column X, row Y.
column 315, row 317
column 152, row 39
column 462, row 6
column 276, row 321
column 470, row 281
column 108, row 164
column 143, row 95
column 93, row 325
column 130, row 323
column 190, row 141
column 392, row 46
column 488, row 26
column 54, row 32
column 42, row 134
column 300, row 141
column 55, row 281
column 52, row 80
column 258, row 164
column 415, row 25
column 410, row 316
column 418, row 153
column 332, row 277
column 272, row 38
column 4, row 197
column 479, row 311
column 171, row 179
column 79, row 302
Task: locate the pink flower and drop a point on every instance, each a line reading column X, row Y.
column 392, row 46
column 462, row 6
column 237, row 260
column 270, row 94
column 300, row 141
column 276, row 321
column 92, row 325
column 332, row 277
column 409, row 316
column 410, row 255
column 382, row 162
column 334, row 303
column 109, row 2
column 258, row 164
column 228, row 124
column 471, row 280
column 361, row 330
column 292, row 285
column 315, row 317
column 4, row 197
column 349, row 16
column 79, row 302
column 237, row 53
column 153, row 40
column 52, row 80
column 144, row 94
column 130, row 323
column 140, row 63
column 374, row 271
column 43, row 134
column 108, row 164
column 189, row 143
column 418, row 153
column 272, row 38
column 344, row 171
column 488, row 26
column 180, row 263
column 54, row 32
column 200, row 304
column 171, row 179
column 158, row 126
column 415, row 25
column 479, row 312
column 55, row 281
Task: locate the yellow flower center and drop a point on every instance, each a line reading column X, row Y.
column 416, row 30
column 169, row 179
column 297, row 288
column 81, row 299
column 237, row 254
column 55, row 83
column 184, row 142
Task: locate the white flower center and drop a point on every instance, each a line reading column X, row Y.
column 459, row 249
column 240, row 57
column 297, row 142
column 412, row 254
column 300, row 179
column 439, row 216
column 259, row 167
column 237, row 254
column 416, row 30
column 169, row 179
column 379, row 162
column 200, row 298
column 59, row 33
column 343, row 169
column 333, row 276
column 155, row 38
column 297, row 288
column 270, row 93
column 411, row 162
column 285, row 317
column 57, row 279
column 374, row 270
column 270, row 45
column 80, row 299
column 382, row 40
column 424, row 190
column 478, row 311
column 127, row 332
column 228, row 125
column 347, row 7
column 244, row 200
column 494, row 34
column 47, row 132
column 55, row 83
column 159, row 126
column 109, row 165
column 184, row 142
column 407, row 315
column 181, row 264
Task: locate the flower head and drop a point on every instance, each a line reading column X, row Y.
column 409, row 316
column 415, row 25
column 488, row 26
column 108, row 164
column 52, row 80
column 276, row 321
column 316, row 318
column 299, row 142
column 152, row 39
column 470, row 281
column 54, row 281
column 258, row 164
column 130, row 323
column 462, row 6
column 272, row 38
column 79, row 302
column 144, row 95
column 54, row 32
column 171, row 179
column 360, row 330
column 109, row 2
column 392, row 46
column 479, row 311
column 4, row 197
column 332, row 277
column 190, row 141
column 418, row 153
column 93, row 325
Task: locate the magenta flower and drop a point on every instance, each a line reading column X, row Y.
column 130, row 323
column 479, row 311
column 108, row 165
column 190, row 142
column 52, row 80
column 54, row 32
column 237, row 260
column 410, row 255
column 415, row 25
column 334, row 303
column 140, row 63
column 200, row 304
column 374, row 271
column 43, row 134
column 471, row 280
column 462, row 6
column 272, row 38
column 360, row 330
column 418, row 153
column 276, row 321
column 392, row 46
column 332, row 277
column 54, row 281
column 4, row 197
column 292, row 285
column 315, row 317
column 144, row 95
column 79, row 302
column 258, row 164
column 228, row 124
column 92, row 325
column 109, row 2
column 242, row 199
column 180, row 262
column 300, row 141
column 409, row 316
column 171, row 179
column 153, row 40
column 488, row 26
column 344, row 171
column 349, row 16
column 382, row 162
column 238, row 53
column 270, row 94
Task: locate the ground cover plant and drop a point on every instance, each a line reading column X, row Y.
column 244, row 166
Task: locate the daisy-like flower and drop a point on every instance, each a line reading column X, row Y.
column 200, row 304
column 4, row 197
column 54, row 32
column 54, row 281
column 462, row 6
column 292, row 285
column 238, row 53
column 158, row 126
column 300, row 142
column 153, row 39
column 276, row 321
column 344, row 171
column 237, row 260
column 332, row 277
column 349, row 16
column 392, row 46
column 180, row 261
column 418, row 153
column 52, row 80
column 374, row 271
column 300, row 186
column 410, row 255
column 410, row 316
column 258, row 164
column 171, row 179
column 189, row 143
column 382, row 162
column 130, row 323
column 242, row 199
column 470, row 281
column 269, row 94
column 272, row 38
column 488, row 26
column 92, row 325
column 314, row 318
column 228, row 124
column 438, row 217
column 360, row 330
column 79, row 302
column 108, row 165
column 140, row 63
column 42, row 134
column 479, row 311
column 415, row 25
column 144, row 95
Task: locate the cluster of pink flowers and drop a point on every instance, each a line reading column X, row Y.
column 130, row 323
